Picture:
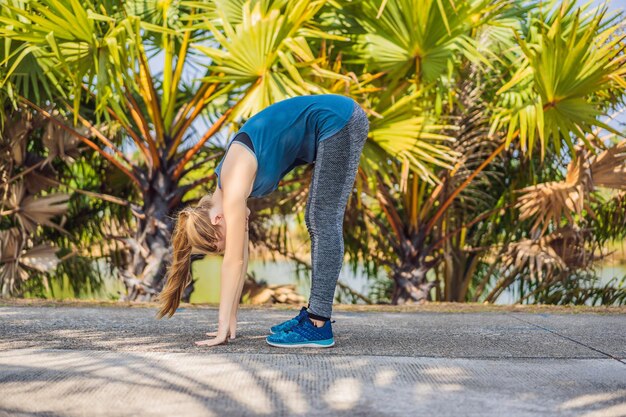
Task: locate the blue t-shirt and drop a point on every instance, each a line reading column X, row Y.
column 285, row 135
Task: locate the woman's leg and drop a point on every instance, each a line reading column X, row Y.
column 334, row 173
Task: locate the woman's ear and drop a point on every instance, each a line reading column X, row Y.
column 216, row 219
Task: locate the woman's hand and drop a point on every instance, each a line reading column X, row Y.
column 214, row 334
column 232, row 330
column 212, row 342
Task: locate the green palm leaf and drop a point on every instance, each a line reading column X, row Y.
column 72, row 42
column 266, row 49
column 419, row 36
column 565, row 67
column 405, row 135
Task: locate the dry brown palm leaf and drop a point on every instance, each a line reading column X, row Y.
column 17, row 263
column 18, row 128
column 18, row 150
column 10, row 275
column 34, row 211
column 16, row 134
column 575, row 246
column 562, row 250
column 537, row 256
column 11, row 244
column 62, row 144
column 549, row 202
column 41, row 258
column 608, row 169
column 35, row 182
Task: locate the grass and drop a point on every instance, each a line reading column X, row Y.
column 430, row 307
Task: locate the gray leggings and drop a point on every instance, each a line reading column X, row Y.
column 334, row 172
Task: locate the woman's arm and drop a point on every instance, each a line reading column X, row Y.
column 236, row 301
column 232, row 269
column 236, row 181
column 242, row 281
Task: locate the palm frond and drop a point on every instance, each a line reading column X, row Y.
column 419, row 36
column 567, row 63
column 608, row 169
column 263, row 50
column 413, row 140
column 32, row 211
column 549, row 202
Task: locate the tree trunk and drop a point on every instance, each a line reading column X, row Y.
column 411, row 285
column 149, row 248
column 459, row 269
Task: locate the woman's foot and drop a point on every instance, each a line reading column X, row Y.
column 289, row 324
column 304, row 334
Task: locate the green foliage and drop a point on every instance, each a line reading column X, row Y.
column 582, row 288
column 461, row 95
column 567, row 76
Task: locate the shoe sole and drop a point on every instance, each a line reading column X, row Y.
column 319, row 344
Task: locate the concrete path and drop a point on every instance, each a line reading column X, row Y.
column 85, row 361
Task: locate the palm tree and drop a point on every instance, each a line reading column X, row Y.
column 572, row 75
column 414, row 44
column 532, row 107
column 404, row 60
column 99, row 52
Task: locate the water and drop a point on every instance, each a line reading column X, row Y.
column 605, row 272
column 207, row 275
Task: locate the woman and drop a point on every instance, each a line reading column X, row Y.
column 328, row 130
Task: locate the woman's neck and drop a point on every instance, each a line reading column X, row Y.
column 217, row 195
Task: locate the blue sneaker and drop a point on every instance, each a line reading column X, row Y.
column 304, row 334
column 287, row 325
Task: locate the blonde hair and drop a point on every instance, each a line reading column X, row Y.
column 193, row 234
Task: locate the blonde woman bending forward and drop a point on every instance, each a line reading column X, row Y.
column 326, row 130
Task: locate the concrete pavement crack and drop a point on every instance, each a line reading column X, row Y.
column 569, row 338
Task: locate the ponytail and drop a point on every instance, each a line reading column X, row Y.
column 179, row 274
column 193, row 233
